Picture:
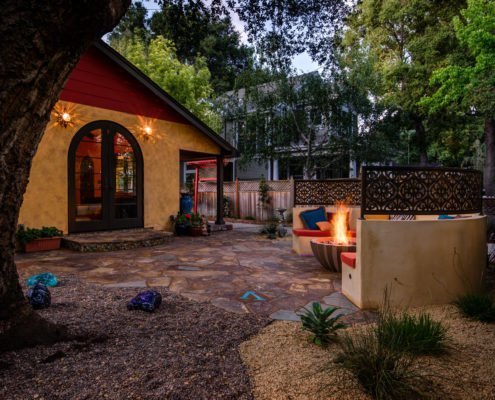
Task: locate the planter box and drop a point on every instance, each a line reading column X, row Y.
column 43, row 244
column 196, row 231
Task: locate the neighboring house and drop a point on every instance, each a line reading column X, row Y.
column 110, row 157
column 291, row 160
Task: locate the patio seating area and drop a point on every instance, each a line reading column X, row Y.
column 239, row 271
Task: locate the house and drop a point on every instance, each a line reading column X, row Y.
column 110, row 157
column 301, row 108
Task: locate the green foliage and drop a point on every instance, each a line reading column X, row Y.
column 263, row 196
column 464, row 84
column 196, row 220
column 183, row 219
column 411, row 334
column 298, row 119
column 382, row 372
column 199, row 30
column 27, row 235
column 479, row 307
column 282, row 29
column 399, row 45
column 188, row 84
column 321, row 324
column 133, row 23
column 270, row 229
column 250, row 218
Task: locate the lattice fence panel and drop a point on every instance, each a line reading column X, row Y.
column 327, row 192
column 408, row 190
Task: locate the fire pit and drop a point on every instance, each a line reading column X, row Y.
column 327, row 250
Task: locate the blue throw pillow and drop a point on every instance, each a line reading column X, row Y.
column 311, row 217
column 444, row 216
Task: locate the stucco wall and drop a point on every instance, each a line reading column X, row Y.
column 46, row 199
column 420, row 262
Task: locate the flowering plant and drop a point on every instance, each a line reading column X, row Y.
column 196, row 220
column 183, row 219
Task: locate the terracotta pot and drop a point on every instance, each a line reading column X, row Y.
column 196, row 231
column 43, row 244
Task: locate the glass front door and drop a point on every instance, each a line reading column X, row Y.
column 105, row 172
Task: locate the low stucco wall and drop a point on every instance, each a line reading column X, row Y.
column 418, row 262
column 46, row 198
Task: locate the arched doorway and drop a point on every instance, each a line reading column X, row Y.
column 105, row 179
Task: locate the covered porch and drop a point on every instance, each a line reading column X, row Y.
column 200, row 161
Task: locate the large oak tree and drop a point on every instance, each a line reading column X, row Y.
column 40, row 44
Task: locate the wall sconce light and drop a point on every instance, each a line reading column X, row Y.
column 63, row 117
column 147, row 132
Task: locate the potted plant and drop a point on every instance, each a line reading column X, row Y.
column 182, row 224
column 32, row 239
column 196, row 225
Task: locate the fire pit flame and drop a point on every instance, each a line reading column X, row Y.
column 339, row 223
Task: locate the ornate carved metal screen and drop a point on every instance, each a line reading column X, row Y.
column 327, row 192
column 410, row 190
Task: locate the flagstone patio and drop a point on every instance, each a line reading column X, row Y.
column 238, row 270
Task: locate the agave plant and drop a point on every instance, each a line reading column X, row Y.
column 321, row 324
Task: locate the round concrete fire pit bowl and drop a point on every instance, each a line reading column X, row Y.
column 328, row 252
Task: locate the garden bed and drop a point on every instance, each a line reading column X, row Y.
column 283, row 363
column 185, row 350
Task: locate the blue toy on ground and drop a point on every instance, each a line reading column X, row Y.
column 148, row 300
column 39, row 296
column 46, row 278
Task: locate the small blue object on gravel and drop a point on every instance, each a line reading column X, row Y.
column 46, row 278
column 39, row 296
column 149, row 301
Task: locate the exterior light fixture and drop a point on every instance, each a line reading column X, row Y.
column 63, row 117
column 147, row 132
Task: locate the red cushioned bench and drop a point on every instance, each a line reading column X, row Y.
column 348, row 259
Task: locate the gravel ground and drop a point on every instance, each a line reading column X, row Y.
column 283, row 364
column 184, row 350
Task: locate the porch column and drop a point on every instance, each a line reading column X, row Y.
column 219, row 220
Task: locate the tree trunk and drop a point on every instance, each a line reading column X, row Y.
column 489, row 168
column 40, row 43
column 421, row 141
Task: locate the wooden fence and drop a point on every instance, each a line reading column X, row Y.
column 243, row 198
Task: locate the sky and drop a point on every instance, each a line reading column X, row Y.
column 302, row 62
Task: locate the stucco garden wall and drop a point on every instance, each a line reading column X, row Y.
column 419, row 262
column 46, row 198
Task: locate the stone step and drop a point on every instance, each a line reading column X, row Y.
column 115, row 240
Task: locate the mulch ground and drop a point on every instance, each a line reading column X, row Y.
column 184, row 350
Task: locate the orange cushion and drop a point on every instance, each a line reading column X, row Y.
column 324, row 226
column 377, row 217
column 310, row 233
column 348, row 259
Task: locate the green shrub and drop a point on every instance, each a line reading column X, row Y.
column 270, row 229
column 382, row 372
column 27, row 235
column 250, row 218
column 411, row 334
column 479, row 307
column 321, row 324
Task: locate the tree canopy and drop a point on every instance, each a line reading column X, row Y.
column 188, row 84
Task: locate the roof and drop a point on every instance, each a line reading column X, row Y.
column 227, row 149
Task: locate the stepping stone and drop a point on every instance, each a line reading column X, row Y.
column 230, row 305
column 285, row 315
column 163, row 281
column 337, row 299
column 187, row 268
column 131, row 284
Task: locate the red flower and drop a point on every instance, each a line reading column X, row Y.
column 188, row 216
